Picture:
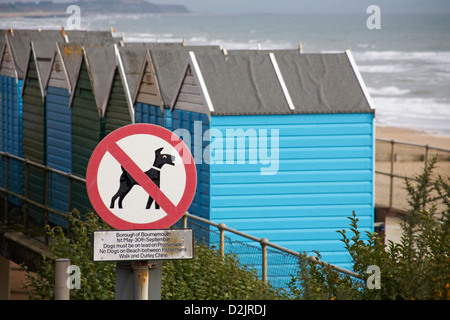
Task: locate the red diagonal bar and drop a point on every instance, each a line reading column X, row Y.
column 144, row 181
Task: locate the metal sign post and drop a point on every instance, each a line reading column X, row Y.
column 141, row 179
column 125, row 281
column 140, row 271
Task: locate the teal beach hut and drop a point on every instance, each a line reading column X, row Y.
column 290, row 145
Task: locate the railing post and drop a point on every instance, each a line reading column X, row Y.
column 222, row 239
column 426, row 155
column 5, row 218
column 264, row 242
column 62, row 290
column 391, row 175
column 25, row 194
column 69, row 205
column 46, row 200
column 185, row 221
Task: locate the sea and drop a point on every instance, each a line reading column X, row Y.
column 405, row 62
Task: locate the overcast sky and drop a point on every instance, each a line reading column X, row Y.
column 299, row 6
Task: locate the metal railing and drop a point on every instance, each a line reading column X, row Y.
column 392, row 151
column 264, row 242
column 391, row 157
column 6, row 158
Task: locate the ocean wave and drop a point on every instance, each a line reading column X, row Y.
column 232, row 44
column 388, row 91
column 425, row 114
column 382, row 68
column 431, row 56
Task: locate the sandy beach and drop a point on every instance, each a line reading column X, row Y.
column 409, row 161
column 412, row 136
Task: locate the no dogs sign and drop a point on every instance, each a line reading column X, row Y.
column 141, row 176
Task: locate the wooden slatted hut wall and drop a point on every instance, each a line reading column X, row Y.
column 24, row 112
column 34, row 118
column 2, row 48
column 154, row 95
column 316, row 164
column 88, row 107
column 120, row 108
column 13, row 66
column 60, row 89
column 62, row 79
column 34, row 135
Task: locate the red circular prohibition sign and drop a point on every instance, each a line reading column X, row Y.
column 109, row 144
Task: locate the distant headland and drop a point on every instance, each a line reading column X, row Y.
column 49, row 8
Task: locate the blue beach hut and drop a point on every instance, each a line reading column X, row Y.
column 158, row 80
column 13, row 66
column 154, row 95
column 290, row 146
column 34, row 116
column 60, row 88
column 65, row 67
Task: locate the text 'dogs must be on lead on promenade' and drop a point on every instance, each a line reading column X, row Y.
column 143, row 245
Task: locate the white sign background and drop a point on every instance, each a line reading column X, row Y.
column 141, row 149
column 143, row 245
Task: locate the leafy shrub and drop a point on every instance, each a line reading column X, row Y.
column 209, row 276
column 418, row 267
column 97, row 279
column 206, row 276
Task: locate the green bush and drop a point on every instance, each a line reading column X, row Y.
column 97, row 281
column 206, row 276
column 418, row 267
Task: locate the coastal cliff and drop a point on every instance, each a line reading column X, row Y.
column 46, row 8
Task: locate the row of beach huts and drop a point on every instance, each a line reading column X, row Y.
column 305, row 163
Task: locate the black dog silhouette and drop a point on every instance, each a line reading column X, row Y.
column 127, row 181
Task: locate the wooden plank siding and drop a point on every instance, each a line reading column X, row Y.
column 7, row 63
column 87, row 131
column 189, row 97
column 117, row 113
column 325, row 171
column 196, row 124
column 59, row 149
column 57, row 78
column 148, row 92
column 144, row 113
column 12, row 108
column 33, row 116
column 34, row 132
